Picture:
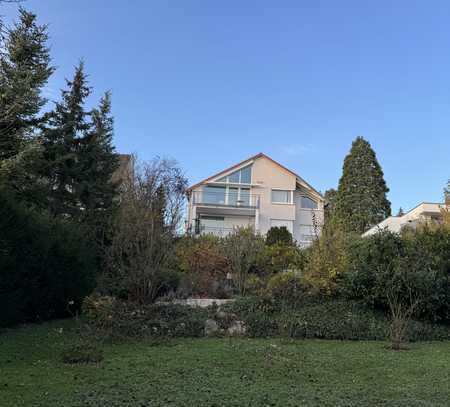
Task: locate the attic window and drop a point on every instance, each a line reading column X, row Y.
column 241, row 176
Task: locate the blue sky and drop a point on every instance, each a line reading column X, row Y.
column 210, row 83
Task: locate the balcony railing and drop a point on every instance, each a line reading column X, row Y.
column 216, row 231
column 229, row 199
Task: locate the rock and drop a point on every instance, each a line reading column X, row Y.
column 237, row 328
column 211, row 327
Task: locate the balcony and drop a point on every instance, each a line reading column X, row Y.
column 216, row 231
column 226, row 199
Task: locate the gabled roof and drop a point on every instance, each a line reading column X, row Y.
column 252, row 158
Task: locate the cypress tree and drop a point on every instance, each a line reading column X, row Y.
column 361, row 200
column 24, row 71
column 62, row 137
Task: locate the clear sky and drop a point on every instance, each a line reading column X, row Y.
column 210, row 83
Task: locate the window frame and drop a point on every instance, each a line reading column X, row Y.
column 226, row 178
column 290, row 196
column 311, row 199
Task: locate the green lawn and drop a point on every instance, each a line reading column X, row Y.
column 221, row 372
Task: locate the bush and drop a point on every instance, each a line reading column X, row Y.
column 329, row 319
column 45, row 265
column 328, row 259
column 257, row 314
column 82, row 353
column 116, row 318
column 204, row 267
column 415, row 263
column 279, row 235
column 280, row 257
column 286, row 289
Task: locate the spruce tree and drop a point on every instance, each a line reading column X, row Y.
column 67, row 126
column 361, row 200
column 98, row 161
column 24, row 71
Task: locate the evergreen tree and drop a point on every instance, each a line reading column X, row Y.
column 98, row 162
column 24, row 71
column 361, row 200
column 400, row 212
column 330, row 201
column 62, row 139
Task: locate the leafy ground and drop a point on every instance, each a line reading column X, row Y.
column 220, row 372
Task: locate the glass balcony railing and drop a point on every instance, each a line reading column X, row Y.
column 233, row 199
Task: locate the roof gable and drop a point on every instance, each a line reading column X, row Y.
column 248, row 161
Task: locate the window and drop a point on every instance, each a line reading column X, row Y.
column 281, row 196
column 246, row 175
column 233, row 195
column 211, row 224
column 244, row 198
column 307, row 203
column 214, row 195
column 242, row 176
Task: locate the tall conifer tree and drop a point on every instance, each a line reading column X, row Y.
column 98, row 161
column 361, row 200
column 24, row 71
column 62, row 138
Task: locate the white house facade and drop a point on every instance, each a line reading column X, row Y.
column 257, row 192
column 426, row 212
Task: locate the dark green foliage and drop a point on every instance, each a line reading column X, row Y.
column 330, row 202
column 82, row 353
column 24, row 71
column 287, row 289
column 98, row 161
column 117, row 319
column 361, row 200
column 62, row 139
column 45, row 264
column 415, row 263
column 279, row 235
column 324, row 319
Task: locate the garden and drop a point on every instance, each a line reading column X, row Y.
column 97, row 278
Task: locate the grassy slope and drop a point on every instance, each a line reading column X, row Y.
column 221, row 372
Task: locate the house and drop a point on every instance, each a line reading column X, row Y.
column 257, row 192
column 425, row 212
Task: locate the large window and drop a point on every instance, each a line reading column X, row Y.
column 214, row 195
column 308, row 203
column 226, row 195
column 281, row 196
column 242, row 176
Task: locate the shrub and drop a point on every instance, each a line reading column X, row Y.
column 329, row 319
column 279, row 235
column 280, row 257
column 257, row 313
column 82, row 353
column 45, row 264
column 140, row 251
column 203, row 265
column 420, row 259
column 328, row 259
column 286, row 288
column 242, row 249
column 116, row 318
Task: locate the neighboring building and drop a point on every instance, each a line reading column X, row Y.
column 423, row 213
column 257, row 192
column 124, row 170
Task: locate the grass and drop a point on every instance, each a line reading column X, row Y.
column 220, row 372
